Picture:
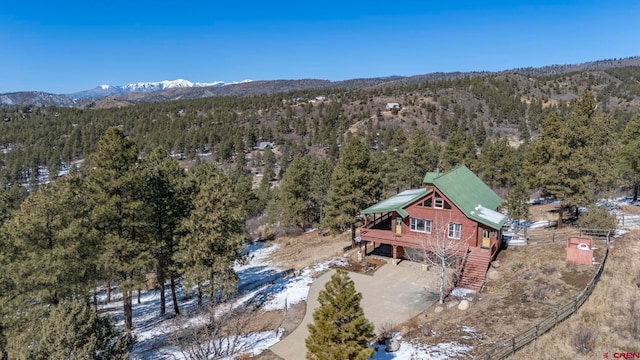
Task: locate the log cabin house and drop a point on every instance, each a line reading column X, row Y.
column 456, row 201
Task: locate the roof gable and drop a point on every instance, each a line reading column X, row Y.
column 469, row 194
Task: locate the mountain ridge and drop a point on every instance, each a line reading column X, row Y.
column 169, row 90
column 148, row 86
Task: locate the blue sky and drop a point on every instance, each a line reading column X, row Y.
column 68, row 46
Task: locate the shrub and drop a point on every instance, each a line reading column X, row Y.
column 290, row 231
column 549, row 269
column 584, row 340
column 540, row 292
column 427, row 329
column 598, row 218
column 386, row 331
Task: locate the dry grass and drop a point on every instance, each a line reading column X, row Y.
column 630, row 209
column 545, row 212
column 608, row 322
column 309, row 249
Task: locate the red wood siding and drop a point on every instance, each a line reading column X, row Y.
column 471, row 231
column 468, row 231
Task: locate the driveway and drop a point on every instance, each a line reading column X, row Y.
column 392, row 295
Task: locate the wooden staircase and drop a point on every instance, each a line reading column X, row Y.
column 475, row 269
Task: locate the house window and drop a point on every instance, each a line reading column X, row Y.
column 454, row 230
column 428, row 202
column 438, row 202
column 420, row 225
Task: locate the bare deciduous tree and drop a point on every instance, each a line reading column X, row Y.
column 442, row 246
column 226, row 334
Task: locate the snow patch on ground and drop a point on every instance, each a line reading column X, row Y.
column 261, row 282
column 292, row 290
column 462, row 293
column 442, row 351
column 256, row 343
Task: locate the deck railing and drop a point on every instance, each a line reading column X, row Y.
column 377, row 221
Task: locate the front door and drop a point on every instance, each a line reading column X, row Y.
column 486, row 240
column 398, row 225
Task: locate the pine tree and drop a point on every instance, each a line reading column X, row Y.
column 51, row 254
column 629, row 157
column 571, row 158
column 339, row 330
column 118, row 215
column 293, row 198
column 69, row 330
column 498, row 163
column 355, row 185
column 469, row 153
column 167, row 197
column 517, row 201
column 320, row 180
column 393, row 175
column 420, row 156
column 452, row 153
column 480, row 134
column 211, row 238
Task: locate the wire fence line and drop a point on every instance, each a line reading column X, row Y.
column 517, row 342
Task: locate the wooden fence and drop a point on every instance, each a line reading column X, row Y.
column 509, row 347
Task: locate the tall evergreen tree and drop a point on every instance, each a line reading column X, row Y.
column 212, row 236
column 498, row 162
column 571, row 158
column 452, row 153
column 629, row 156
column 118, row 214
column 469, row 153
column 51, row 252
column 420, row 156
column 293, row 198
column 355, row 185
column 167, row 197
column 320, row 180
column 392, row 173
column 69, row 330
column 339, row 330
column 480, row 134
column 517, row 201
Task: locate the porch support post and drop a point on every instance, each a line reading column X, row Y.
column 394, row 254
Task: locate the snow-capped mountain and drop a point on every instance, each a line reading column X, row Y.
column 106, row 90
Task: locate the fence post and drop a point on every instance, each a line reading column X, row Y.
column 513, row 344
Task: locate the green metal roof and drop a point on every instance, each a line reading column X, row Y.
column 397, row 202
column 428, row 178
column 467, row 192
column 472, row 196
